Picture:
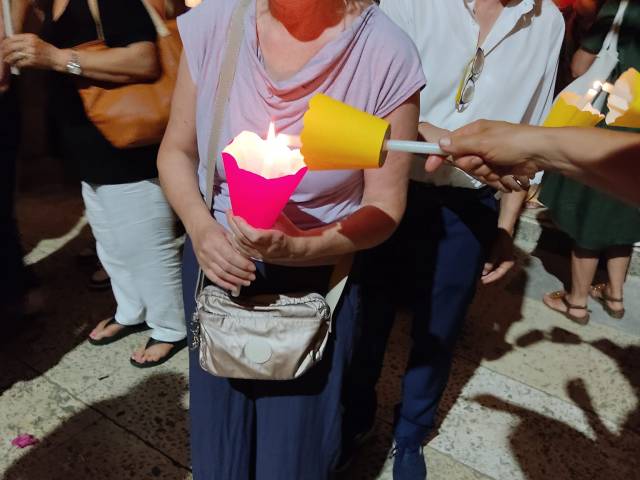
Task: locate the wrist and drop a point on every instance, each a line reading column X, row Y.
column 198, row 221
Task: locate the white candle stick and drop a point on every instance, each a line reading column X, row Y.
column 8, row 27
column 413, row 147
column 407, row 146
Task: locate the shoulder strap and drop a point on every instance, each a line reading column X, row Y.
column 223, row 90
column 158, row 22
column 225, row 81
column 611, row 40
column 95, row 14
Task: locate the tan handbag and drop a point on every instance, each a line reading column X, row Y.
column 263, row 337
column 133, row 115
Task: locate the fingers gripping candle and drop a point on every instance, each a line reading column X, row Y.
column 261, row 175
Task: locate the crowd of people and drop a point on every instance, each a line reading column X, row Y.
column 424, row 232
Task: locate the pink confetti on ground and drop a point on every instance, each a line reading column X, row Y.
column 24, row 440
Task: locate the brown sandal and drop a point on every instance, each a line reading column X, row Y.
column 599, row 294
column 561, row 295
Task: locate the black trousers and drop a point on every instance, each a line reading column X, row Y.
column 12, row 273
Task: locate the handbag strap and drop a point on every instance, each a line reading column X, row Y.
column 611, row 40
column 223, row 90
column 95, row 14
column 158, row 23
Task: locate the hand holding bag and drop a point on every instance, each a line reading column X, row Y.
column 133, row 115
column 605, row 62
column 264, row 337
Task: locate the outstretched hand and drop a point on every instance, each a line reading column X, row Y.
column 497, row 153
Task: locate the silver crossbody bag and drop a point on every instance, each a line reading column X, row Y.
column 263, row 337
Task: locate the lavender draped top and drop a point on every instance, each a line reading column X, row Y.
column 372, row 65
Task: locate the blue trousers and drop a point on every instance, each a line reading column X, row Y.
column 433, row 261
column 243, row 429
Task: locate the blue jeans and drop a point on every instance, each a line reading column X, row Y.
column 245, row 429
column 433, row 261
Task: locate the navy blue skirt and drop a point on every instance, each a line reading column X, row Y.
column 246, row 429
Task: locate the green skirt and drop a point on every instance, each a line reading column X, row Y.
column 594, row 220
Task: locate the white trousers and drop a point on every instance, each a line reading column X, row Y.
column 134, row 228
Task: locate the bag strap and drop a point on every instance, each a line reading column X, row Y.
column 95, row 14
column 611, row 40
column 158, row 22
column 338, row 282
column 235, row 35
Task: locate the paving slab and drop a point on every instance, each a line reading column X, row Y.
column 548, row 352
column 102, row 451
column 43, row 409
column 153, row 403
column 508, row 430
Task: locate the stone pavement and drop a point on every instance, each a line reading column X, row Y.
column 532, row 395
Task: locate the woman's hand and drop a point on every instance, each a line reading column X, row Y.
column 27, row 50
column 280, row 244
column 219, row 260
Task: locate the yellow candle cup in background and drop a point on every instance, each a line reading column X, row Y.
column 624, row 101
column 336, row 136
column 568, row 112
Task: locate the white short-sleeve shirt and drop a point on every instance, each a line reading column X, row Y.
column 517, row 82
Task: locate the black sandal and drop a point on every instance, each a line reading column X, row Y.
column 125, row 332
column 599, row 294
column 176, row 347
column 562, row 296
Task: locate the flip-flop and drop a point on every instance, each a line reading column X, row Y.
column 561, row 295
column 125, row 332
column 176, row 347
column 599, row 294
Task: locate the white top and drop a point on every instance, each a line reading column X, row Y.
column 517, row 82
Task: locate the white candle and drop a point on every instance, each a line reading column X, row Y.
column 8, row 26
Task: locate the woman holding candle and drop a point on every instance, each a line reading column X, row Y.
column 598, row 224
column 291, row 50
column 131, row 220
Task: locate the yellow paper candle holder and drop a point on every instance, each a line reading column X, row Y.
column 624, row 101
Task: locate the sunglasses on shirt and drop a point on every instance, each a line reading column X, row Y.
column 467, row 87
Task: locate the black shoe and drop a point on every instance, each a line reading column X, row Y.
column 408, row 462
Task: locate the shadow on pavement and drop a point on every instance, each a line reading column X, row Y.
column 137, row 440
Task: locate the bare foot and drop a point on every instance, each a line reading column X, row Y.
column 554, row 302
column 153, row 353
column 102, row 331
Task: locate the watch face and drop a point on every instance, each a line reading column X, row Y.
column 74, row 69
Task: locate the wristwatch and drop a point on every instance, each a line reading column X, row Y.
column 73, row 65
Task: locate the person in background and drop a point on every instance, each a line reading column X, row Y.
column 598, row 224
column 19, row 296
column 131, row 220
column 291, row 50
column 501, row 64
column 602, row 158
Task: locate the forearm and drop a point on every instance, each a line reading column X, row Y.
column 383, row 202
column 177, row 173
column 135, row 63
column 510, row 209
column 604, row 159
